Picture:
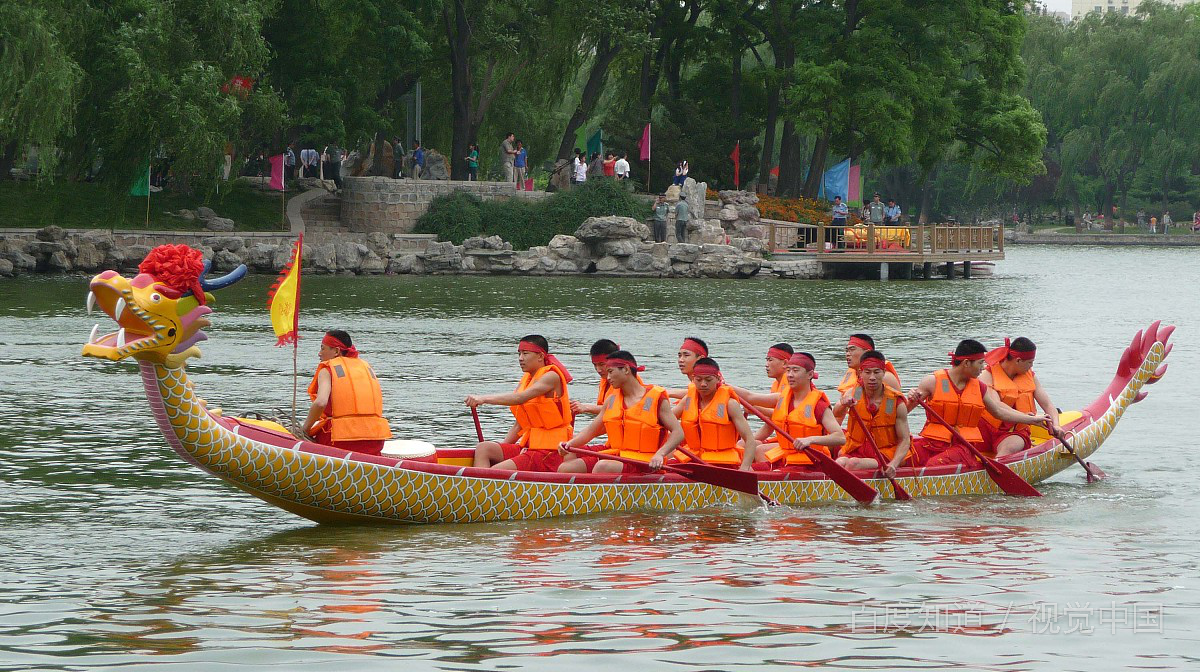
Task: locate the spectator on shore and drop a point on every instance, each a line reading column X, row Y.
column 875, row 210
column 595, row 166
column 1196, row 222
column 1167, row 222
column 310, row 162
column 1154, row 225
column 579, row 168
column 228, row 164
column 418, row 167
column 508, row 154
column 622, row 167
column 683, row 215
column 397, row 158
column 661, row 209
column 520, row 161
column 289, row 161
column 891, row 214
column 610, row 165
column 838, row 215
column 472, row 159
column 331, row 166
column 681, row 173
column 1141, row 219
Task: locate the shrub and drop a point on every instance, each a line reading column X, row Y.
column 527, row 223
column 453, row 217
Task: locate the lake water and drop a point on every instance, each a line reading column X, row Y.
column 119, row 555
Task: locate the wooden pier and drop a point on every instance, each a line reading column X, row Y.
column 897, row 251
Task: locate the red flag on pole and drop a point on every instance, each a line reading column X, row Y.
column 736, row 156
column 276, row 172
column 644, row 144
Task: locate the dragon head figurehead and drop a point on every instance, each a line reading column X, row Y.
column 160, row 312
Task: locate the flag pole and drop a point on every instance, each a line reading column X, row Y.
column 296, row 323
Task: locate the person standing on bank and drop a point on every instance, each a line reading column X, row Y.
column 508, row 154
column 621, row 169
column 876, row 210
column 838, row 215
column 579, row 168
column 682, row 217
column 520, row 160
column 891, row 214
column 661, row 210
column 472, row 158
column 418, row 166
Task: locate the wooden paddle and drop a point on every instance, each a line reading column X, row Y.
column 478, row 427
column 855, row 486
column 733, row 479
column 1087, row 466
column 901, row 493
column 1006, row 478
column 698, row 460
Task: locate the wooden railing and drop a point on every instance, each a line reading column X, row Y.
column 916, row 240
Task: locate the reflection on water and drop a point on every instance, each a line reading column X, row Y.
column 118, row 554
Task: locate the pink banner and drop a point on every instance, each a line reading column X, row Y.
column 644, row 145
column 276, row 172
column 854, row 192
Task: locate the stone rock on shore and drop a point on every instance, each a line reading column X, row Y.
column 599, row 229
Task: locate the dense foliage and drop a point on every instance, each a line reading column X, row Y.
column 947, row 104
column 527, row 223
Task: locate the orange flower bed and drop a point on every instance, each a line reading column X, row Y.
column 800, row 210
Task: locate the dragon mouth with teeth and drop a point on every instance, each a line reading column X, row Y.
column 157, row 316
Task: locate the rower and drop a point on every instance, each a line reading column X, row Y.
column 804, row 413
column 1010, row 373
column 858, row 344
column 542, row 409
column 691, row 350
column 883, row 411
column 960, row 398
column 637, row 418
column 601, row 349
column 713, row 420
column 777, row 360
column 347, row 402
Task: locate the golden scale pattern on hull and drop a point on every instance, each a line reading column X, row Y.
column 331, row 489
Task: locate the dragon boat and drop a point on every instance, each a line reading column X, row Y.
column 162, row 311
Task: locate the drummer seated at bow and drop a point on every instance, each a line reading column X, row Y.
column 542, row 409
column 638, row 419
column 777, row 360
column 601, row 349
column 961, row 399
column 690, row 351
column 874, row 407
column 805, row 414
column 347, row 402
column 859, row 344
column 713, row 420
column 1010, row 373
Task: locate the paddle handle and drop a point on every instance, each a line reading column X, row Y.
column 900, row 492
column 584, row 452
column 953, row 432
column 478, row 427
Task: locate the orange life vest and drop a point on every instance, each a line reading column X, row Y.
column 780, row 385
column 882, row 422
column 961, row 408
column 545, row 420
column 635, row 432
column 1016, row 392
column 355, row 408
column 798, row 422
column 850, row 378
column 709, row 432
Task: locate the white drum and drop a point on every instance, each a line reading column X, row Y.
column 407, row 449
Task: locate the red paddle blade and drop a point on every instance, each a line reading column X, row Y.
column 1094, row 473
column 734, row 479
column 855, row 486
column 1008, row 480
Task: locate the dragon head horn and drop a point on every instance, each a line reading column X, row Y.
column 223, row 281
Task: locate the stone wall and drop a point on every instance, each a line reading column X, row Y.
column 383, row 205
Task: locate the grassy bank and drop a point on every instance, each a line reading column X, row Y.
column 80, row 205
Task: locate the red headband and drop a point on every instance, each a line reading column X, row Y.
column 856, row 341
column 526, row 346
column 600, row 359
column 872, row 363
column 706, row 370
column 692, row 346
column 336, row 343
column 801, row 359
column 617, row 360
column 1000, row 354
column 954, row 359
column 779, row 354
